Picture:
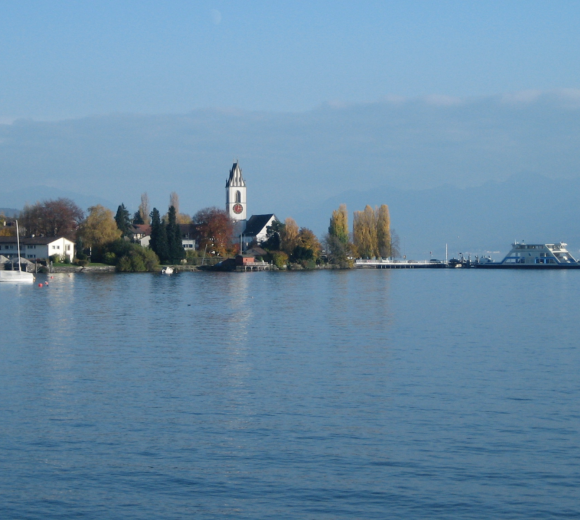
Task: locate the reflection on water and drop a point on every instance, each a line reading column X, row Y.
column 339, row 394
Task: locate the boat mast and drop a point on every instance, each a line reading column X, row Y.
column 18, row 242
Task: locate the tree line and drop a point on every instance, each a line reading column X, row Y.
column 106, row 236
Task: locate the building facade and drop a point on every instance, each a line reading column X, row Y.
column 37, row 247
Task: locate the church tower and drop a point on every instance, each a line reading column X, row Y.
column 236, row 203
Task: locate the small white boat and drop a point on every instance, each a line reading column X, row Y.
column 17, row 276
column 167, row 270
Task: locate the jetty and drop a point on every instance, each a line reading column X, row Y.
column 399, row 264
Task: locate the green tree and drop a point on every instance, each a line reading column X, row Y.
column 123, row 220
column 137, row 218
column 158, row 242
column 130, row 257
column 337, row 240
column 339, row 224
column 383, row 220
column 273, row 240
column 174, row 243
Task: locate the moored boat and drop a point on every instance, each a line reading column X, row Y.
column 19, row 276
column 535, row 256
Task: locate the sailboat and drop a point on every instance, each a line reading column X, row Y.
column 17, row 276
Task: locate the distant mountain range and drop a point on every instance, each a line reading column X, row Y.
column 476, row 220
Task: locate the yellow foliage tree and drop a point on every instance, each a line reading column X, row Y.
column 365, row 233
column 289, row 236
column 99, row 228
column 307, row 240
column 383, row 231
column 339, row 224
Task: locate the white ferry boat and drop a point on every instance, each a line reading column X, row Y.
column 536, row 256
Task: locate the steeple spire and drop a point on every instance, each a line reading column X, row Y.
column 236, row 180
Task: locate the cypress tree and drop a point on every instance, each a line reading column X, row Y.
column 173, row 232
column 158, row 240
column 123, row 219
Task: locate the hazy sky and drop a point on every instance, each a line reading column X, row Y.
column 61, row 59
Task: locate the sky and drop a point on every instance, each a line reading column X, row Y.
column 68, row 59
column 104, row 100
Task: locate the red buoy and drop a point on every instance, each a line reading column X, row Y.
column 39, row 285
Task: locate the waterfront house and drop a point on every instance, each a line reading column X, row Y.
column 37, row 247
column 257, row 228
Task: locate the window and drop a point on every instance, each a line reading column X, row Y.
column 238, row 196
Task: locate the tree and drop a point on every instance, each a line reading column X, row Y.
column 365, row 233
column 123, row 220
column 383, row 220
column 144, row 209
column 308, row 247
column 395, row 244
column 174, row 243
column 99, row 228
column 273, row 240
column 130, row 257
column 337, row 240
column 137, row 218
column 339, row 224
column 6, row 231
column 158, row 242
column 52, row 218
column 174, row 201
column 215, row 230
column 289, row 236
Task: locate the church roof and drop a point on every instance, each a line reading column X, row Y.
column 257, row 223
column 236, row 180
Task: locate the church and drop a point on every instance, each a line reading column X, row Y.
column 246, row 230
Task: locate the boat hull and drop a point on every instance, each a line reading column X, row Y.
column 16, row 277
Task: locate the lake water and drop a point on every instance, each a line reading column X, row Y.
column 334, row 394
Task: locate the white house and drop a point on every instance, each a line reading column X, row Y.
column 257, row 227
column 37, row 247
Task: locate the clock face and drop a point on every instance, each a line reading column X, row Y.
column 238, row 209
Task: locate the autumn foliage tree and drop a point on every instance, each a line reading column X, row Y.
column 52, row 218
column 6, row 231
column 337, row 240
column 383, row 231
column 99, row 228
column 372, row 233
column 365, row 233
column 289, row 236
column 215, row 230
column 307, row 246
